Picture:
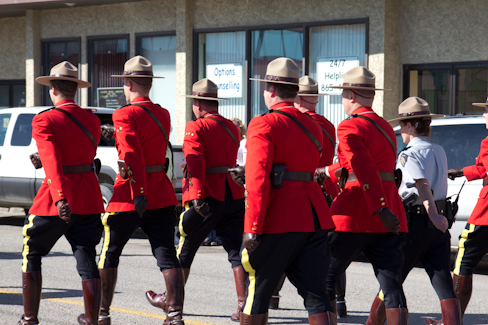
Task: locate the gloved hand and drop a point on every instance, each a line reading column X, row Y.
column 455, row 172
column 64, row 211
column 320, row 176
column 108, row 131
column 250, row 241
column 36, row 160
column 140, row 204
column 202, row 208
column 238, row 175
column 390, row 220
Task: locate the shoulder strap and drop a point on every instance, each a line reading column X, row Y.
column 226, row 128
column 381, row 130
column 328, row 136
column 307, row 132
column 68, row 114
column 155, row 120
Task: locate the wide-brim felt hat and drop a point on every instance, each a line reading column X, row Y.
column 359, row 78
column 205, row 89
column 63, row 71
column 481, row 104
column 137, row 67
column 413, row 107
column 281, row 71
column 308, row 87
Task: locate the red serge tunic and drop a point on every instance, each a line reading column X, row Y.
column 62, row 143
column 208, row 144
column 141, row 143
column 328, row 150
column 364, row 150
column 479, row 216
column 275, row 139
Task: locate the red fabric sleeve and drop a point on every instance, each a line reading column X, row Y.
column 193, row 145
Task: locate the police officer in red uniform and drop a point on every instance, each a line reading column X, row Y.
column 287, row 218
column 143, row 194
column 69, row 201
column 210, row 147
column 369, row 213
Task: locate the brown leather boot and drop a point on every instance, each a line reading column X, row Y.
column 259, row 319
column 341, row 296
column 397, row 316
column 451, row 313
column 109, row 279
column 377, row 314
column 327, row 318
column 175, row 293
column 274, row 302
column 31, row 295
column 240, row 278
column 463, row 286
column 92, row 298
column 159, row 300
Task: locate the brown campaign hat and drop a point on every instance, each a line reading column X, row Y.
column 137, row 67
column 281, row 71
column 63, row 71
column 413, row 107
column 482, row 104
column 308, row 87
column 205, row 89
column 358, row 78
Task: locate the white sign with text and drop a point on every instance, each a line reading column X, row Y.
column 331, row 70
column 228, row 77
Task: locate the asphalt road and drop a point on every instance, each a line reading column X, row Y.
column 210, row 291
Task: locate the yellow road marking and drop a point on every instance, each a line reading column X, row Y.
column 126, row 311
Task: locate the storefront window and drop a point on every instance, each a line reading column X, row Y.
column 471, row 87
column 433, row 86
column 12, row 93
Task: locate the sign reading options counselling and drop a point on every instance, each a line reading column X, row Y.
column 331, row 70
column 228, row 77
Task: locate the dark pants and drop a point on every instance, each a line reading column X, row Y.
column 83, row 233
column 383, row 250
column 473, row 245
column 159, row 226
column 228, row 221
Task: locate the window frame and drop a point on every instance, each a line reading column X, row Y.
column 139, row 36
column 10, row 84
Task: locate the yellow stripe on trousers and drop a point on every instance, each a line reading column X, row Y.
column 459, row 258
column 182, row 232
column 106, row 239
column 252, row 281
column 25, row 251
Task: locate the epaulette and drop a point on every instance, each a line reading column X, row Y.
column 46, row 110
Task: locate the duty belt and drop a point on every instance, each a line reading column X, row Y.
column 217, row 170
column 76, row 169
column 154, row 168
column 385, row 176
column 298, row 176
column 420, row 209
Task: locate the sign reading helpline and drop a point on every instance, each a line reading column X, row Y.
column 228, row 77
column 330, row 72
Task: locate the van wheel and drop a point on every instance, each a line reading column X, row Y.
column 107, row 192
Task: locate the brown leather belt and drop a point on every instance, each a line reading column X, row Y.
column 298, row 176
column 217, row 170
column 76, row 169
column 385, row 176
column 154, row 169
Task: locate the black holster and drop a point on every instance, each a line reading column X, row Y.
column 277, row 175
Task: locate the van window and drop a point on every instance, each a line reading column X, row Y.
column 22, row 134
column 4, row 120
column 105, row 119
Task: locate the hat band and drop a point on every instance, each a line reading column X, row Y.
column 315, row 92
column 347, row 84
column 138, row 73
column 195, row 93
column 277, row 78
column 63, row 76
column 413, row 114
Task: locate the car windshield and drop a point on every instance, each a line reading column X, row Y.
column 460, row 142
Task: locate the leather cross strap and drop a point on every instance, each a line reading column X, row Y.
column 381, row 130
column 226, row 128
column 307, row 132
column 68, row 114
column 217, row 170
column 328, row 136
column 155, row 120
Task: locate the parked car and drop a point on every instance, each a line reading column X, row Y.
column 460, row 136
column 19, row 180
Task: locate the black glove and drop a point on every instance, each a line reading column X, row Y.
column 64, row 211
column 238, row 174
column 455, row 172
column 140, row 203
column 202, row 208
column 320, row 176
column 36, row 160
column 250, row 241
column 390, row 220
column 108, row 131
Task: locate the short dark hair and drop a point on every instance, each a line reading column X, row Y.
column 144, row 83
column 65, row 87
column 283, row 90
column 421, row 125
